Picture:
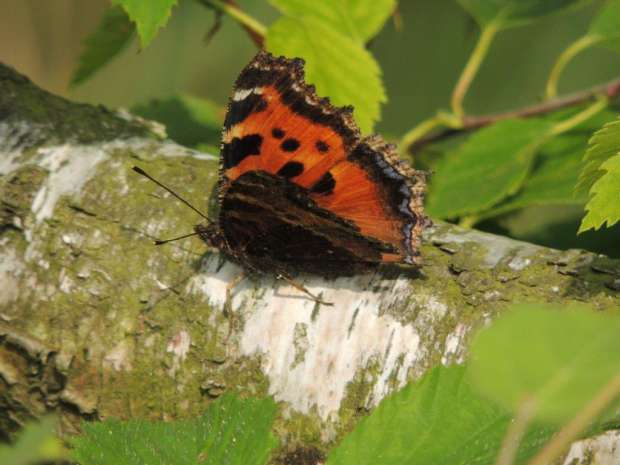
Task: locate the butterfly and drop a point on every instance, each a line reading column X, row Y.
column 300, row 190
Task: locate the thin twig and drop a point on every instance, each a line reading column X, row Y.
column 611, row 90
column 253, row 27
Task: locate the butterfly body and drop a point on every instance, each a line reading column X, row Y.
column 301, row 190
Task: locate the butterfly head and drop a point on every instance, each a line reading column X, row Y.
column 211, row 234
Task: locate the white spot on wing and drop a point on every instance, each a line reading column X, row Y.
column 242, row 94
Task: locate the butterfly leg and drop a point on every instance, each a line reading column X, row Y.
column 300, row 287
column 161, row 294
column 228, row 310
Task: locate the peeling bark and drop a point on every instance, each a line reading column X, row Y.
column 96, row 322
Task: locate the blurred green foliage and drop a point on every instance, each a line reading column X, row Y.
column 37, row 443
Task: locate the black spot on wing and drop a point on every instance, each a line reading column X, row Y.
column 321, row 146
column 290, row 145
column 238, row 111
column 291, row 169
column 238, row 149
column 277, row 133
column 325, row 185
column 287, row 76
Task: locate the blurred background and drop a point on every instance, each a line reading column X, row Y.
column 421, row 61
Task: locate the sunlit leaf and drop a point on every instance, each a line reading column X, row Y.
column 339, row 67
column 190, row 121
column 604, row 204
column 559, row 357
column 358, row 19
column 111, row 37
column 603, row 145
column 491, row 165
column 513, row 12
column 149, row 16
column 233, row 431
column 438, row 420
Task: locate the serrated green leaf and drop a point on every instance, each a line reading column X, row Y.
column 604, row 204
column 339, row 67
column 36, row 443
column 358, row 19
column 438, row 420
column 491, row 165
column 557, row 356
column 604, row 144
column 190, row 121
column 149, row 16
column 606, row 25
column 513, row 12
column 112, row 35
column 233, row 431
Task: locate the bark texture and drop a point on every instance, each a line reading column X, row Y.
column 96, row 322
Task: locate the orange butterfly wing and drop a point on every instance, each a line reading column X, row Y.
column 277, row 124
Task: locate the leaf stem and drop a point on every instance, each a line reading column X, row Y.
column 473, row 65
column 426, row 126
column 584, row 115
column 566, row 57
column 468, row 222
column 515, row 432
column 572, row 430
column 255, row 28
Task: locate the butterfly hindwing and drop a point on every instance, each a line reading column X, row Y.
column 276, row 226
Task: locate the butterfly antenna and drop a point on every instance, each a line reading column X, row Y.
column 148, row 176
column 165, row 241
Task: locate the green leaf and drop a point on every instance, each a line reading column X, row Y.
column 338, row 66
column 560, row 357
column 556, row 168
column 604, row 144
column 37, row 443
column 190, row 121
column 436, row 421
column 606, row 25
column 553, row 177
column 513, row 12
column 149, row 16
column 604, row 205
column 111, row 37
column 359, row 19
column 491, row 165
column 233, row 431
